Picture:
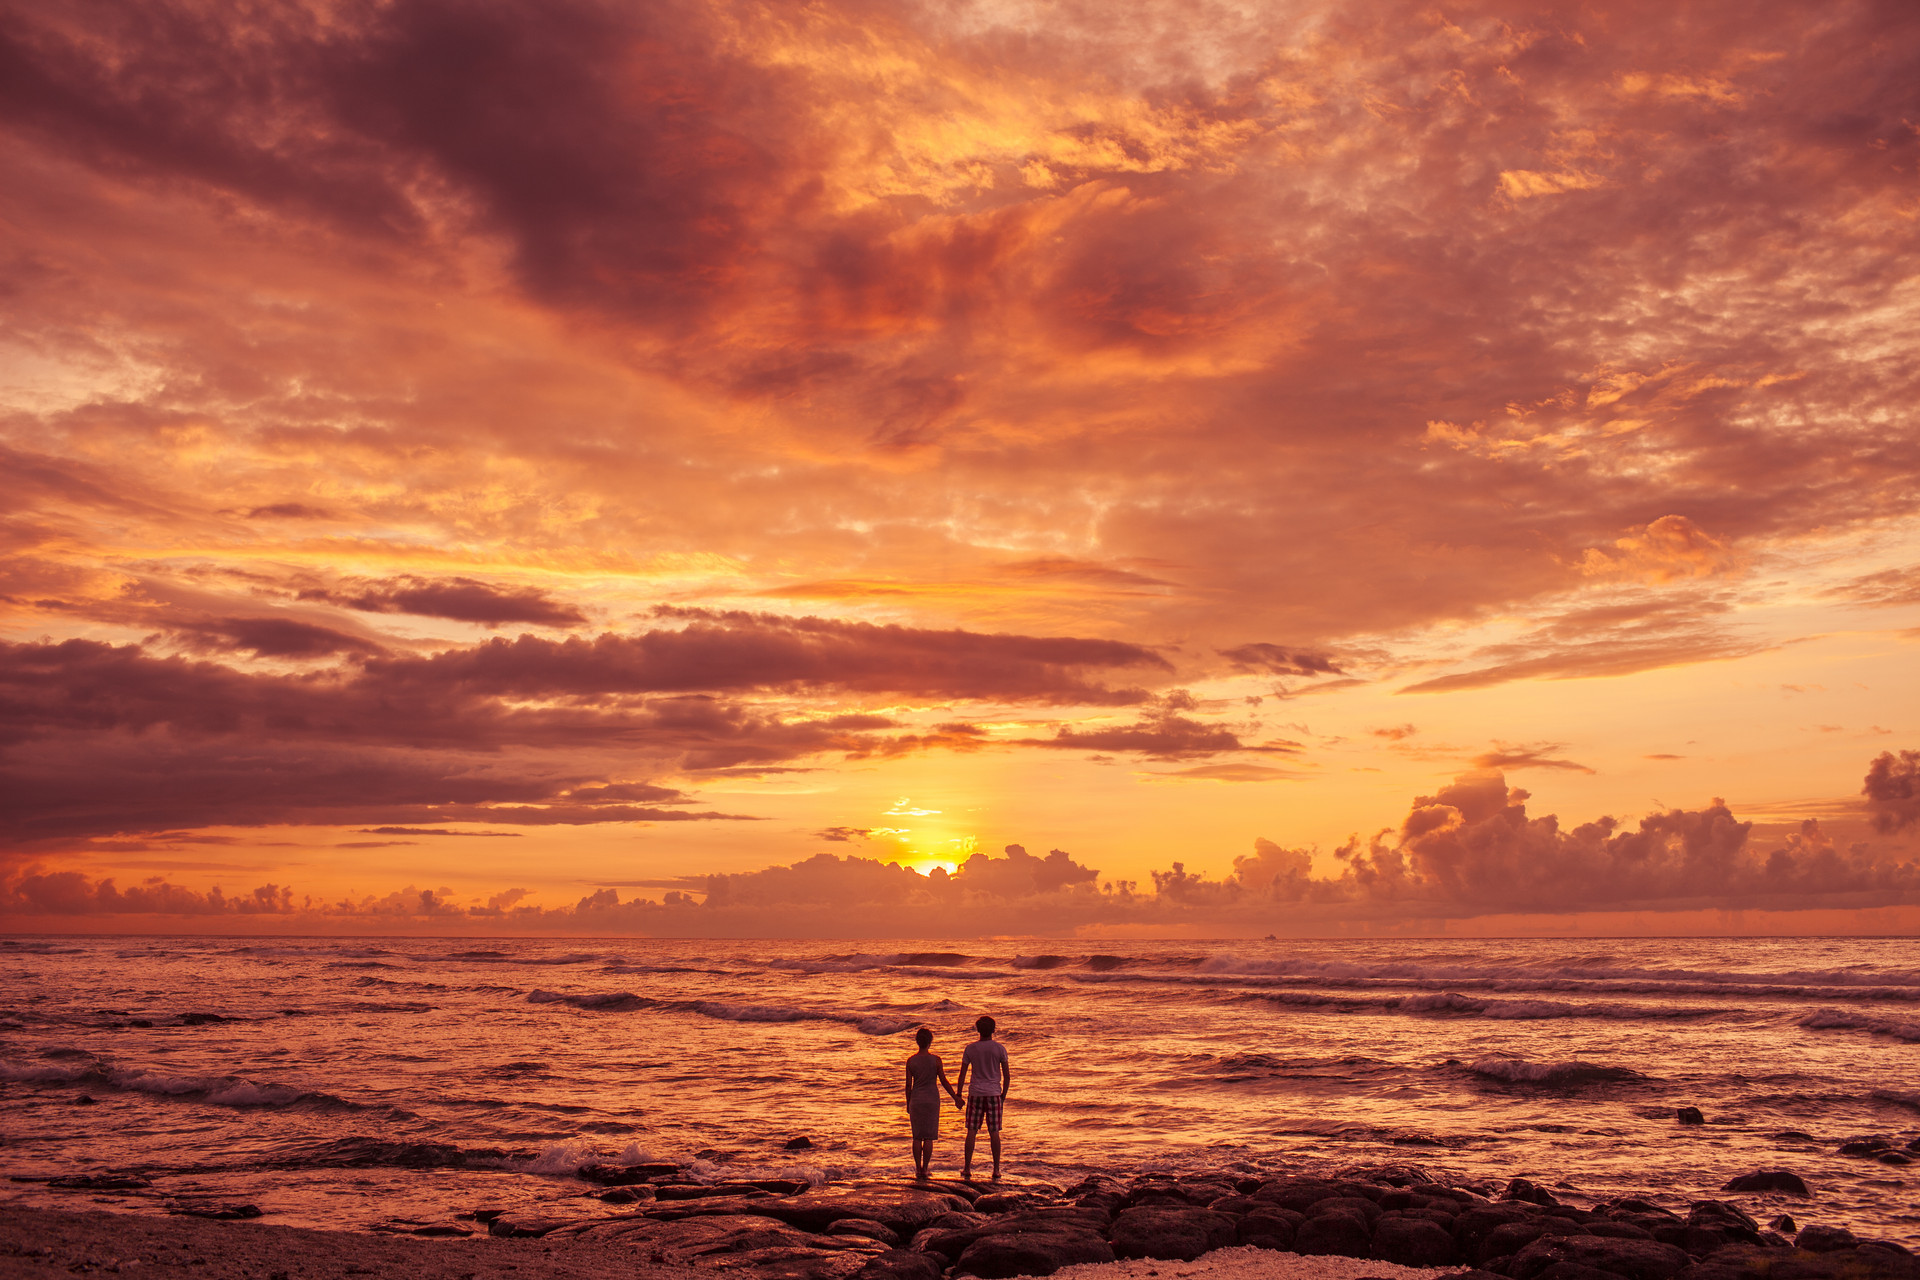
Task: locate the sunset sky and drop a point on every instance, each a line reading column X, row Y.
column 489, row 465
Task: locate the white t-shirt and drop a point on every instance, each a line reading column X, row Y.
column 988, row 1058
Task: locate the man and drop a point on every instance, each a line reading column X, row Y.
column 985, row 1060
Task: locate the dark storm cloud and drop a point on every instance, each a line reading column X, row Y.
column 722, row 652
column 461, row 599
column 275, row 638
column 1280, row 660
column 1892, row 789
column 101, row 739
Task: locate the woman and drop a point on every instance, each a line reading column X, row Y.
column 926, row 1076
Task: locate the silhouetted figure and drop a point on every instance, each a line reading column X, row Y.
column 926, row 1076
column 986, row 1062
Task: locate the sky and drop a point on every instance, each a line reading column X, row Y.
column 947, row 468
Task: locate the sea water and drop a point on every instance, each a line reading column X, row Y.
column 353, row 1083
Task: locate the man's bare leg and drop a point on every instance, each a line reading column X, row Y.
column 993, row 1141
column 966, row 1171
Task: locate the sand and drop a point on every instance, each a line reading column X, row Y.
column 52, row 1244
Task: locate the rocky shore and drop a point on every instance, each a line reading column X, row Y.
column 636, row 1220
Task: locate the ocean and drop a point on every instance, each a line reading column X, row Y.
column 351, row 1083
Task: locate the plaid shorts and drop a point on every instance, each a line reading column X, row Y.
column 984, row 1107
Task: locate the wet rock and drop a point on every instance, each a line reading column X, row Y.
column 904, row 1212
column 900, row 1264
column 703, row 1191
column 1864, row 1146
column 1004, row 1201
column 1270, row 1228
column 1815, row 1238
column 1030, row 1253
column 1769, row 1180
column 1336, row 1233
column 626, row 1195
column 1783, row 1224
column 1473, row 1226
column 440, row 1231
column 524, row 1226
column 203, row 1019
column 1574, row 1271
column 1632, row 1259
column 1301, row 1194
column 1727, row 1217
column 1893, row 1157
column 84, row 1101
column 1512, row 1237
column 1181, row 1234
column 1521, row 1189
column 1413, row 1242
column 1618, row 1230
column 1689, row 1115
column 223, row 1212
column 865, row 1227
column 100, row 1182
column 623, row 1175
column 801, row 1143
column 1471, row 1273
column 1170, row 1192
column 952, row 1242
column 139, row 1022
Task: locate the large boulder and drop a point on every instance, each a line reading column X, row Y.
column 1632, row 1259
column 1779, row 1180
column 1472, row 1227
column 1815, row 1238
column 867, row 1228
column 1413, row 1242
column 1338, row 1232
column 900, row 1264
column 1030, row 1253
column 1178, row 1234
column 1270, row 1228
column 1512, row 1237
column 951, row 1243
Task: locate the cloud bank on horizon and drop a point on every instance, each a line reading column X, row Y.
column 668, row 433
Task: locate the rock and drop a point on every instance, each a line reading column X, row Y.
column 951, row 1243
column 1818, row 1239
column 1618, row 1230
column 1338, row 1234
column 1169, row 1191
column 440, row 1231
column 1301, row 1194
column 100, row 1182
column 1512, row 1237
column 203, row 1019
column 1689, row 1115
column 623, row 1175
column 1270, row 1228
column 802, row 1143
column 1172, row 1233
column 1864, row 1146
column 1783, row 1224
column 1574, row 1271
column 1892, row 1157
column 1769, row 1180
column 1003, row 1201
column 1633, row 1259
column 867, row 1228
column 702, row 1191
column 1413, row 1242
column 1030, row 1253
column 904, row 1212
column 84, row 1101
column 899, row 1264
column 1718, row 1213
column 1473, row 1226
column 523, row 1226
column 1521, row 1189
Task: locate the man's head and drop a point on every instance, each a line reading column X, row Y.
column 985, row 1028
column 923, row 1037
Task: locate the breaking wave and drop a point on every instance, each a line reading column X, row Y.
column 873, row 1024
column 1551, row 1074
column 1898, row 1028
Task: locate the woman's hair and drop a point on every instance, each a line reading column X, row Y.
column 984, row 1026
column 923, row 1037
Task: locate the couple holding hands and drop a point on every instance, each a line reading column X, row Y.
column 984, row 1074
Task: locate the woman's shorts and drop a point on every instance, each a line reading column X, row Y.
column 926, row 1119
